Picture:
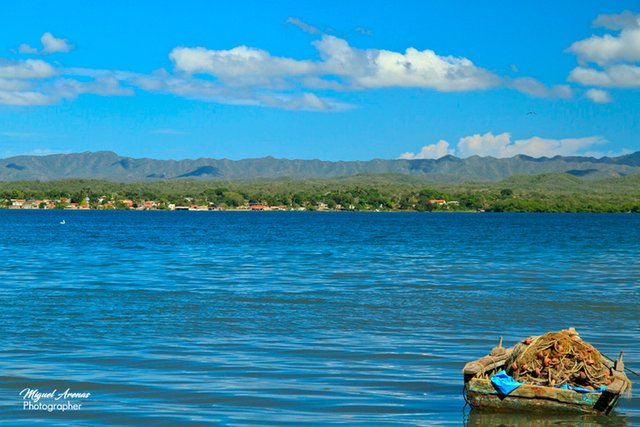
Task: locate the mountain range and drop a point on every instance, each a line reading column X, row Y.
column 110, row 166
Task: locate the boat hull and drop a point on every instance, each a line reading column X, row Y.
column 481, row 395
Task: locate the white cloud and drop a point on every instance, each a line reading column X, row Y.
column 251, row 76
column 24, row 98
column 307, row 28
column 25, row 48
column 16, row 82
column 305, row 101
column 314, row 82
column 621, row 76
column 27, row 69
column 210, row 91
column 535, row 88
column 373, row 68
column 370, row 68
column 501, row 145
column 198, row 89
column 607, row 49
column 14, row 85
column 35, row 82
column 616, row 56
column 432, row 151
column 618, row 21
column 51, row 44
column 96, row 73
column 247, row 75
column 57, row 90
column 598, row 96
column 484, row 145
column 70, row 88
column 240, row 66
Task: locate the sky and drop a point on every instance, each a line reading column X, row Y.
column 331, row 80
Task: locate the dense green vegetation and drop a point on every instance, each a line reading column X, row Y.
column 539, row 193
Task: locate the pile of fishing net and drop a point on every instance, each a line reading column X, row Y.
column 558, row 358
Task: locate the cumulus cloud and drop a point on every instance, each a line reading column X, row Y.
column 362, row 69
column 256, row 77
column 502, row 145
column 341, row 67
column 615, row 56
column 248, row 75
column 240, row 66
column 598, row 96
column 617, row 76
column 373, row 68
column 50, row 44
column 432, row 151
column 484, row 145
column 607, row 49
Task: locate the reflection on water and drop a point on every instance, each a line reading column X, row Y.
column 483, row 419
column 179, row 318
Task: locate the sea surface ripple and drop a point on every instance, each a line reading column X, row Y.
column 283, row 318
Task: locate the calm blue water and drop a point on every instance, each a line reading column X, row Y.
column 214, row 318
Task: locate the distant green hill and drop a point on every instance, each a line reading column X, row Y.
column 110, row 166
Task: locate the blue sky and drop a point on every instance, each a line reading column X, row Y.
column 333, row 80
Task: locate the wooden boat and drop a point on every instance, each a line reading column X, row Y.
column 480, row 393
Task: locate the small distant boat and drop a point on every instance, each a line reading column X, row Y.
column 63, row 222
column 481, row 394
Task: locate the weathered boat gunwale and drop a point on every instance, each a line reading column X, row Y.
column 480, row 393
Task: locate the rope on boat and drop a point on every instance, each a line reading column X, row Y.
column 627, row 369
column 465, row 413
column 556, row 359
column 464, row 396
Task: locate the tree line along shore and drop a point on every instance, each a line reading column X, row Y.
column 538, row 193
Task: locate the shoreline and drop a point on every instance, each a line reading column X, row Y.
column 445, row 212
